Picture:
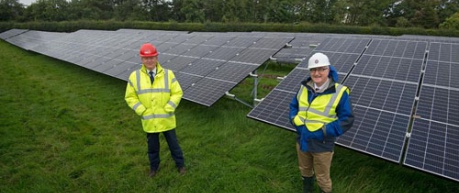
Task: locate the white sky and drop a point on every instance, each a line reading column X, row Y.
column 26, row 2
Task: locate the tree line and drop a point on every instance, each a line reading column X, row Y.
column 428, row 14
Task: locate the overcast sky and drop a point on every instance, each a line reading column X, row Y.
column 26, row 2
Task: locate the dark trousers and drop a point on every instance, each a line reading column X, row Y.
column 174, row 147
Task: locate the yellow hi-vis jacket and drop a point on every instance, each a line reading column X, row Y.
column 322, row 109
column 155, row 103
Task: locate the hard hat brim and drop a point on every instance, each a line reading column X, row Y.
column 318, row 65
column 148, row 55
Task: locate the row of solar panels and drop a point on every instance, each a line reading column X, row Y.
column 392, row 79
column 206, row 64
column 394, row 84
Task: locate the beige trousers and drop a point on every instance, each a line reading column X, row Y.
column 318, row 163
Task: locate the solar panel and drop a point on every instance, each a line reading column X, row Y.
column 11, row 33
column 345, row 45
column 179, row 49
column 232, row 71
column 434, row 148
column 402, row 69
column 187, row 80
column 382, row 110
column 218, row 40
column 383, row 97
column 178, row 63
column 270, row 43
column 397, row 48
column 377, row 132
column 224, row 53
column 162, row 58
column 199, row 51
column 198, row 39
column 385, row 72
column 199, row 57
column 107, row 65
column 335, row 49
column 384, row 85
column 442, row 63
column 244, row 41
column 439, row 104
column 299, row 47
column 202, row 67
column 291, row 83
column 31, row 39
column 164, row 46
column 120, row 68
column 292, row 55
column 274, row 109
column 254, row 56
column 434, row 142
column 207, row 91
column 386, row 95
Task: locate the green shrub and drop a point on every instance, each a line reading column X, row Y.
column 303, row 27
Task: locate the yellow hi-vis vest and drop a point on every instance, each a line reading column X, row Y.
column 155, row 103
column 322, row 109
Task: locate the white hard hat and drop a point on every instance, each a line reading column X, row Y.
column 318, row 60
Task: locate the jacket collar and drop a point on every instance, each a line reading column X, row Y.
column 159, row 69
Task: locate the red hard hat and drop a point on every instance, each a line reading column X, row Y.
column 148, row 50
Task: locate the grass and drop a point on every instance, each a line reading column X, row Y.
column 64, row 128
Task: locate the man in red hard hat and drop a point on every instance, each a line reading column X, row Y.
column 154, row 93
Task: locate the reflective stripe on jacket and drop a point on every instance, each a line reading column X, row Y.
column 155, row 103
column 320, row 111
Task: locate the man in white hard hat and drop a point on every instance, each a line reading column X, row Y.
column 320, row 112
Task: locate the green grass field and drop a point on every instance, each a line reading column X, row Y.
column 64, row 128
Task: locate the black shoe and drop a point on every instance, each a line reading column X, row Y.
column 182, row 171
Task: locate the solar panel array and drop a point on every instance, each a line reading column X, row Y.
column 434, row 143
column 274, row 108
column 206, row 64
column 11, row 33
column 384, row 84
column 386, row 76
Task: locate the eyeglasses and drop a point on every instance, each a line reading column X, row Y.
column 323, row 69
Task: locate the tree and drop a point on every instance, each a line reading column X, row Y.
column 446, row 9
column 10, row 10
column 193, row 11
column 451, row 23
column 425, row 16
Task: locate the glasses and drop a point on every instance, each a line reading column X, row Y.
column 323, row 69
